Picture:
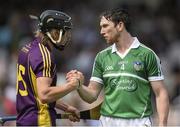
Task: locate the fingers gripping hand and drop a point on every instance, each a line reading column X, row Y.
column 74, row 114
column 73, row 118
column 72, row 73
column 75, row 74
column 73, row 82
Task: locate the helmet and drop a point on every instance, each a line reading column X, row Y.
column 50, row 19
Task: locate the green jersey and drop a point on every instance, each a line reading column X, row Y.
column 126, row 80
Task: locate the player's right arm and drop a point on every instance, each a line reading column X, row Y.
column 91, row 92
column 48, row 93
column 43, row 67
column 88, row 93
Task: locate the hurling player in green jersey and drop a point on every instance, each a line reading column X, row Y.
column 129, row 72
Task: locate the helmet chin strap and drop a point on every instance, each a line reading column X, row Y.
column 60, row 37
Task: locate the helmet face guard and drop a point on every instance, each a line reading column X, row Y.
column 51, row 19
column 63, row 41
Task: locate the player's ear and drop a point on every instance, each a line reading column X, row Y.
column 120, row 26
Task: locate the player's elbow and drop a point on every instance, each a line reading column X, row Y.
column 91, row 100
column 44, row 98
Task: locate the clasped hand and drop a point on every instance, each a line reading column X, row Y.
column 76, row 78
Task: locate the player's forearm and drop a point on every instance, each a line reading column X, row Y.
column 162, row 101
column 54, row 93
column 87, row 94
column 61, row 105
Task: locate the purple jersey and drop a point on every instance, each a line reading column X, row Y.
column 35, row 60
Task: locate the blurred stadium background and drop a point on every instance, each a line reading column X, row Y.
column 155, row 23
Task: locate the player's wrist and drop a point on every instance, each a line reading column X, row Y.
column 79, row 84
column 71, row 86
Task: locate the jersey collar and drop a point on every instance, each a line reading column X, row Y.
column 135, row 44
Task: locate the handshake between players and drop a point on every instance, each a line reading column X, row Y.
column 75, row 79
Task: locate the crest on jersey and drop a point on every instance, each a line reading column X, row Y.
column 138, row 65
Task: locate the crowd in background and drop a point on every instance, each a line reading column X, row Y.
column 156, row 23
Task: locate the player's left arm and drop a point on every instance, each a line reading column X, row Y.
column 70, row 111
column 162, row 101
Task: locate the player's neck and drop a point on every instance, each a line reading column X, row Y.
column 124, row 42
column 50, row 45
column 46, row 42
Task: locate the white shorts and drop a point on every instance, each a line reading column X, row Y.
column 111, row 121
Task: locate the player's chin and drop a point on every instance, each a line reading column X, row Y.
column 109, row 42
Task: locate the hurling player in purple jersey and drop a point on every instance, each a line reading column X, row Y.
column 37, row 93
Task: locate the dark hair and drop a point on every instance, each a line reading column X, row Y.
column 118, row 15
